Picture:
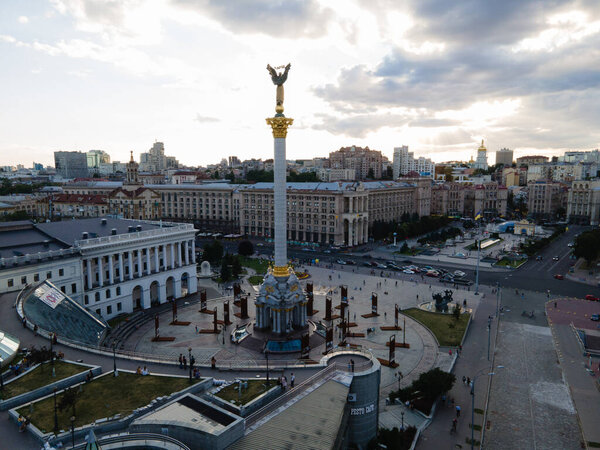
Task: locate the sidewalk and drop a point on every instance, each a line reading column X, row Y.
column 473, row 360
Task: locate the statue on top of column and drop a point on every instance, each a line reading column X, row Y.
column 278, row 80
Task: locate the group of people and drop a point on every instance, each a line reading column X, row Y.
column 284, row 382
column 183, row 362
column 143, row 371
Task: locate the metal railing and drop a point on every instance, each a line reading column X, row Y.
column 168, row 229
column 140, row 438
column 36, row 257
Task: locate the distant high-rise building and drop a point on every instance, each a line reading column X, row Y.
column 38, row 166
column 405, row 162
column 71, row 164
column 234, row 161
column 364, row 161
column 156, row 161
column 481, row 161
column 97, row 157
column 504, row 156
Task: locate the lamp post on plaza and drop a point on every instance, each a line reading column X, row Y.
column 114, row 349
column 73, row 431
column 473, row 402
column 395, row 239
column 190, row 361
column 477, row 272
column 55, row 415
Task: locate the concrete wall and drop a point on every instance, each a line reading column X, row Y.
column 250, row 407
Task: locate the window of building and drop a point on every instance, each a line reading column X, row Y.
column 10, row 282
column 86, row 299
column 61, row 272
column 118, row 290
column 97, row 296
column 98, row 312
column 63, row 289
column 108, row 293
column 73, row 288
column 36, row 277
column 24, row 280
column 109, row 309
column 49, row 275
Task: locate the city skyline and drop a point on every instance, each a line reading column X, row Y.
column 118, row 76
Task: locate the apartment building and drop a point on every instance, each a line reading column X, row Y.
column 363, row 161
column 448, row 199
column 583, row 204
column 488, row 199
column 545, row 199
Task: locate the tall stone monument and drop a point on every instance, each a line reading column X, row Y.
column 280, row 303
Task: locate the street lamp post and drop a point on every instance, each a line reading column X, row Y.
column 489, row 328
column 477, row 272
column 267, row 356
column 497, row 299
column 190, row 361
column 73, row 431
column 473, row 404
column 55, row 415
column 114, row 348
column 52, row 354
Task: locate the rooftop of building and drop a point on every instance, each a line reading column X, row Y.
column 85, row 199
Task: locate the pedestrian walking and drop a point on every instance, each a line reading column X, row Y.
column 181, row 361
column 184, row 363
column 468, row 381
column 457, row 410
column 464, row 380
column 292, row 380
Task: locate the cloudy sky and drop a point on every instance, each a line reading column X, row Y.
column 435, row 75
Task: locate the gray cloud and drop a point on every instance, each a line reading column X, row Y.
column 290, row 18
column 555, row 87
column 206, row 119
column 358, row 125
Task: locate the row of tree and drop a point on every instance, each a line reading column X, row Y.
column 409, row 226
column 587, row 246
column 231, row 266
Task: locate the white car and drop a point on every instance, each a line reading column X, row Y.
column 410, row 272
column 341, row 261
column 459, row 273
column 381, row 266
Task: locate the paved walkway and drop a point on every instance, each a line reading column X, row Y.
column 473, row 360
column 583, row 386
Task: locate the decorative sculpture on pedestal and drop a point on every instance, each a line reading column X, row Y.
column 281, row 302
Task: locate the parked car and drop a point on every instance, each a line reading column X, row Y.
column 459, row 273
column 381, row 266
column 538, row 258
column 350, row 262
column 555, row 258
column 558, row 276
column 595, row 317
column 463, row 282
column 341, row 261
column 591, row 298
column 571, row 244
column 408, row 271
column 327, row 251
column 367, row 264
column 432, row 273
column 448, row 278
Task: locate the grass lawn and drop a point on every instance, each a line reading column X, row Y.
column 115, row 321
column 255, row 388
column 41, row 376
column 511, row 263
column 105, row 397
column 255, row 279
column 440, row 325
column 259, row 265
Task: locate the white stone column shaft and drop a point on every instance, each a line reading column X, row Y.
column 156, row 263
column 193, row 251
column 187, row 252
column 148, row 263
column 164, row 256
column 111, row 270
column 179, row 254
column 140, row 263
column 172, row 255
column 90, row 282
column 279, row 194
column 121, row 274
column 100, row 272
column 130, row 263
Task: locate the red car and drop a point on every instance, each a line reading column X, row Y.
column 591, row 298
column 558, row 276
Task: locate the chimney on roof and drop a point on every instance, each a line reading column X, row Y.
column 113, row 231
column 85, row 235
column 103, row 221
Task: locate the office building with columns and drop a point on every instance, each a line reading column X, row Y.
column 109, row 266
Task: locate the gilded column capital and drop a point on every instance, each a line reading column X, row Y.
column 279, row 124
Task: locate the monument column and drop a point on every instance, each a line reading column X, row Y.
column 279, row 125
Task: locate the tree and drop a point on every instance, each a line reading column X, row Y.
column 456, row 312
column 434, row 383
column 587, row 246
column 236, row 267
column 245, row 248
column 225, row 270
column 68, row 399
column 213, row 252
